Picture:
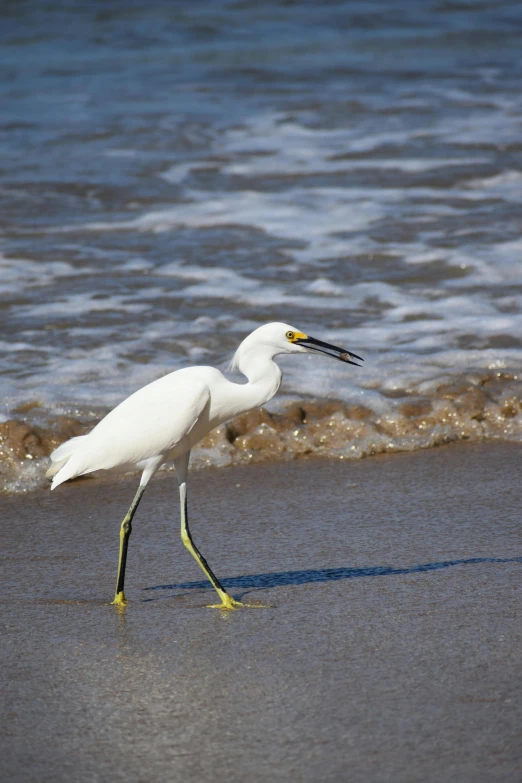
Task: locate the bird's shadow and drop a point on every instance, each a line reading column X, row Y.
column 283, row 578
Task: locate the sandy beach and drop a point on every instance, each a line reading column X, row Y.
column 390, row 650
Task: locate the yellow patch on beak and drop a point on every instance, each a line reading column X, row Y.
column 294, row 336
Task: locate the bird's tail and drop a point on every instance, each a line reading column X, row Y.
column 59, row 459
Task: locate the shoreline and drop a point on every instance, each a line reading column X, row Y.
column 476, row 409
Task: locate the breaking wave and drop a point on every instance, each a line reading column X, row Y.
column 479, row 407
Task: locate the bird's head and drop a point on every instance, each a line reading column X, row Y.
column 282, row 338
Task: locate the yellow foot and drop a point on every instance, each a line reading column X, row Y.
column 231, row 603
column 119, row 599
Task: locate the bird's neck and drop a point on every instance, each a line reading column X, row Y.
column 264, row 378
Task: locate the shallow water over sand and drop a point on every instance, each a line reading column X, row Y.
column 390, row 651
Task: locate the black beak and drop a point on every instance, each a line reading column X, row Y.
column 330, row 350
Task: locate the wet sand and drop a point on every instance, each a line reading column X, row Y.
column 391, row 650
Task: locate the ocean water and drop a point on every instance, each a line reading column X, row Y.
column 175, row 174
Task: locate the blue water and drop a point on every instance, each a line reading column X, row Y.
column 175, row 174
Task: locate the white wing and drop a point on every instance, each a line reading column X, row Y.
column 150, row 423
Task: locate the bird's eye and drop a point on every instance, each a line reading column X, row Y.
column 290, row 335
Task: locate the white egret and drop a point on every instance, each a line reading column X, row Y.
column 165, row 419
